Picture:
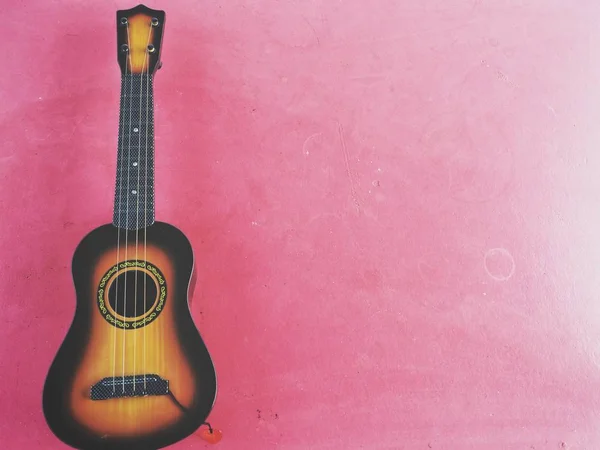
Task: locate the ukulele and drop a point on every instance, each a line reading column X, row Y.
column 133, row 371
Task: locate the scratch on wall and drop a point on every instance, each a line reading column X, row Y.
column 348, row 171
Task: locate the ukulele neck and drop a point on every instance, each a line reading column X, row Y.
column 134, row 193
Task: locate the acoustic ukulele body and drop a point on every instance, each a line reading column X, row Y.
column 149, row 344
column 133, row 372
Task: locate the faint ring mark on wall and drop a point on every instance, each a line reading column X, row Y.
column 499, row 264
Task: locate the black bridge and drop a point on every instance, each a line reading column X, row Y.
column 129, row 386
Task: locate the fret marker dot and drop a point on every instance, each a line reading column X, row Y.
column 135, row 130
column 134, row 192
column 134, row 164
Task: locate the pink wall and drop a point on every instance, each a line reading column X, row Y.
column 394, row 206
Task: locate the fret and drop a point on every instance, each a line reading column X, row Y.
column 131, row 202
column 124, row 161
column 132, row 156
column 141, row 167
column 140, row 172
column 136, row 91
column 134, row 152
column 136, row 145
column 124, row 210
column 138, row 155
column 129, row 198
column 134, row 163
column 133, row 180
column 137, row 95
column 136, row 107
column 124, row 207
column 143, row 130
column 141, row 125
column 126, row 186
column 132, row 208
column 135, row 138
column 139, row 116
column 135, row 117
column 142, row 219
column 134, row 192
column 125, row 189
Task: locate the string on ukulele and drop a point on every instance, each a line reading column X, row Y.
column 137, row 193
column 125, row 152
column 128, row 163
column 145, row 67
column 120, row 207
column 148, row 106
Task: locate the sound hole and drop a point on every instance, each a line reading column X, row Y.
column 127, row 299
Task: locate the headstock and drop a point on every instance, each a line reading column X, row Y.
column 139, row 38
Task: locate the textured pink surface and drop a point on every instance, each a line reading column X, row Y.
column 394, row 207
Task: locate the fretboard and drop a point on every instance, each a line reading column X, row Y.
column 134, row 193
